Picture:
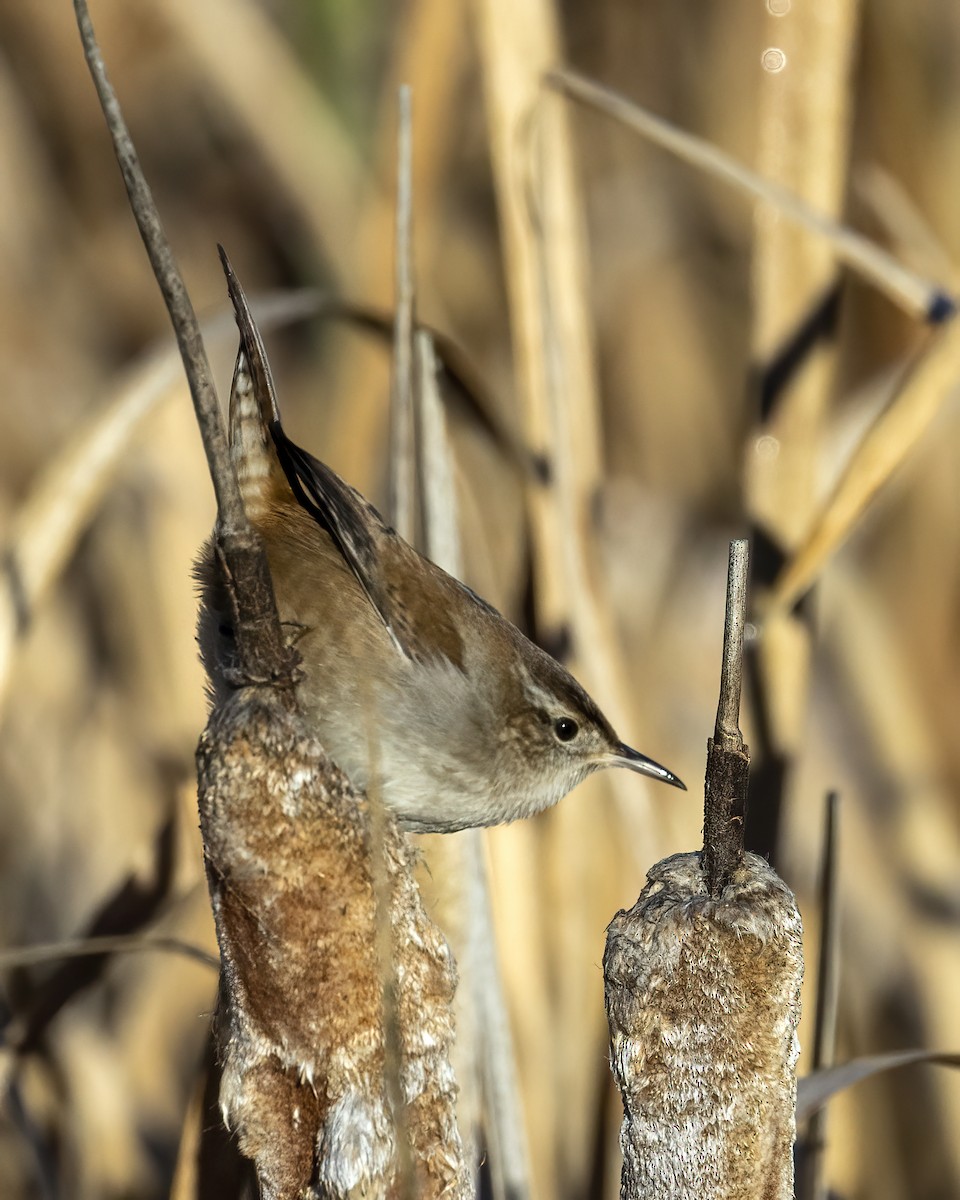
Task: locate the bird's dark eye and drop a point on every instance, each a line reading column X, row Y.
column 566, row 729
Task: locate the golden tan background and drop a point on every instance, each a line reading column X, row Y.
column 270, row 127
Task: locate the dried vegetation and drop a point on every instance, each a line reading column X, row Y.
column 688, row 363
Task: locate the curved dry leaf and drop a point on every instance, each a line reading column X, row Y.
column 815, row 1090
column 882, row 450
column 67, row 494
column 133, row 943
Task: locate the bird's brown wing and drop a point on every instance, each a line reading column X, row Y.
column 408, row 593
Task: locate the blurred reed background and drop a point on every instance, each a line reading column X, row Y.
column 270, row 127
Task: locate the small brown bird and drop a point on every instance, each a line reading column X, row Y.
column 415, row 685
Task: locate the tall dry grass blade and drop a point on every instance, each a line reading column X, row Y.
column 924, row 387
column 481, row 1004
column 795, row 313
column 402, row 451
column 428, row 49
column 174, row 292
column 543, row 249
column 810, row 1181
column 919, row 297
column 542, row 241
column 450, row 857
column 402, row 509
column 794, row 270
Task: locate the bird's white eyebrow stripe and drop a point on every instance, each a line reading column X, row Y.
column 536, row 694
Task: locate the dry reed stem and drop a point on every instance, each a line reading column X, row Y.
column 551, row 334
column 925, row 386
column 301, row 1013
column 811, row 1183
column 551, row 337
column 263, row 654
column 449, row 857
column 428, row 52
column 545, row 262
column 402, row 452
column 918, row 297
column 529, row 145
column 703, row 1000
column 804, row 146
column 484, row 1039
column 906, row 227
column 402, row 510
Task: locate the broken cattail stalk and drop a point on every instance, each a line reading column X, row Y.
column 702, row 986
column 300, row 1016
column 728, row 757
column 287, row 848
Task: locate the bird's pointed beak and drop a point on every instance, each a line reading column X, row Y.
column 633, row 760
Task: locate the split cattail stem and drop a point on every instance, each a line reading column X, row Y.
column 703, row 1001
column 728, row 758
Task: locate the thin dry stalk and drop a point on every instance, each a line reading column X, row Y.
column 450, row 857
column 810, row 1183
column 919, row 297
column 484, row 1038
column 402, row 455
column 263, row 653
column 402, row 509
column 429, row 49
column 551, row 336
column 134, row 943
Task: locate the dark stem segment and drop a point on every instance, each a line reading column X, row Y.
column 264, row 657
column 728, row 758
column 810, row 1183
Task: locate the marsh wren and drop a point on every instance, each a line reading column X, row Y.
column 414, row 684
